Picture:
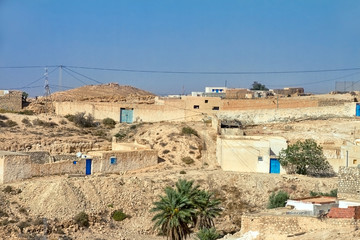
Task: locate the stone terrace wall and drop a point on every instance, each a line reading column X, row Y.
column 11, row 101
column 285, row 224
column 286, row 115
column 349, row 183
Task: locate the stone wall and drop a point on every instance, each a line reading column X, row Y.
column 14, row 167
column 349, row 183
column 11, row 101
column 287, row 115
column 39, row 157
column 285, row 224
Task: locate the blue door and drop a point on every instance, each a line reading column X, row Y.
column 126, row 115
column 88, row 166
column 357, row 110
column 274, row 165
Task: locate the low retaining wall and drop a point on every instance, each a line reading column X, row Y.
column 287, row 115
column 285, row 224
column 349, row 183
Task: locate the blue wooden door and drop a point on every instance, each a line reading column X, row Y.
column 126, row 115
column 88, row 166
column 274, row 165
column 357, row 110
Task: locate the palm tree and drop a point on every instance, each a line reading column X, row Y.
column 174, row 213
column 187, row 189
column 208, row 208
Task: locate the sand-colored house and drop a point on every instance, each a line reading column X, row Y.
column 250, row 153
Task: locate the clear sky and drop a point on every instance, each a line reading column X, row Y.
column 187, row 35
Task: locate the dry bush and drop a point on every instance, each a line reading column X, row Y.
column 188, row 160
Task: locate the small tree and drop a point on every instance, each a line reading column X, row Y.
column 277, row 199
column 305, row 158
column 24, row 96
column 258, row 86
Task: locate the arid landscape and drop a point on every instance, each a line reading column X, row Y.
column 46, row 206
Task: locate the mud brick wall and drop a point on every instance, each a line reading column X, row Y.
column 349, row 183
column 11, row 101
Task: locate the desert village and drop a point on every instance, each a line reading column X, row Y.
column 53, row 169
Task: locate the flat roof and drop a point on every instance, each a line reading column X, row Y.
column 318, row 200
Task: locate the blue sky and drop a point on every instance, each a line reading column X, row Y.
column 206, row 36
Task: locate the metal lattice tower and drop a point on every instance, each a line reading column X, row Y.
column 46, row 86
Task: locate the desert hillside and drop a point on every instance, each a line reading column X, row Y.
column 111, row 92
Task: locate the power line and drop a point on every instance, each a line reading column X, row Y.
column 27, row 85
column 218, row 72
column 64, row 67
column 72, row 75
column 17, row 67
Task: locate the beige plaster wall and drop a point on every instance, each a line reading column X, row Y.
column 241, row 153
column 58, row 168
column 125, row 161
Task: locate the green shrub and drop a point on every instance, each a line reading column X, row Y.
column 26, row 121
column 99, row 133
column 63, row 122
column 27, row 112
column 278, row 199
column 166, row 151
column 70, row 117
column 182, row 172
column 8, row 189
column 82, row 219
column 110, row 205
column 189, row 131
column 11, row 123
column 132, row 127
column 120, row 135
column 3, row 117
column 109, row 122
column 38, row 122
column 207, row 234
column 82, row 120
column 187, row 160
column 119, row 215
column 332, row 193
